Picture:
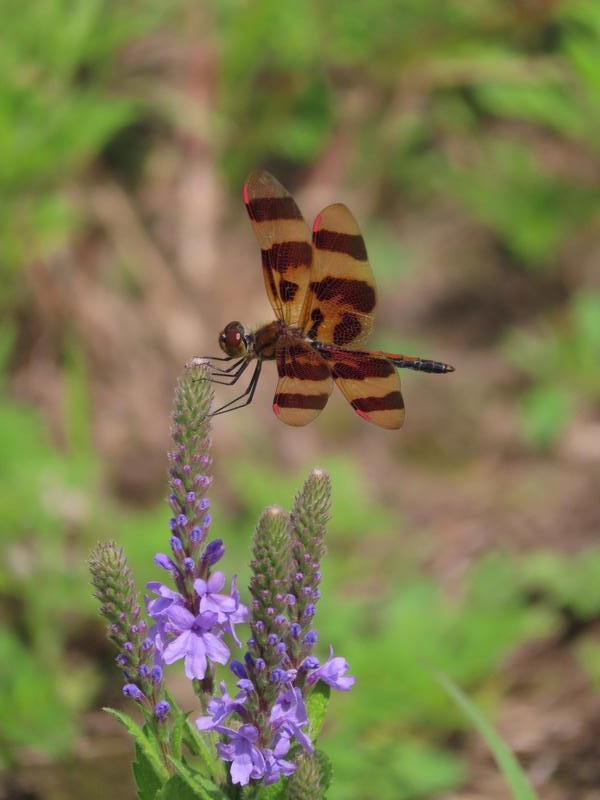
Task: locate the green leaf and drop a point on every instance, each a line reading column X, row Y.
column 177, row 789
column 147, row 781
column 199, row 785
column 316, row 707
column 147, row 746
column 203, row 747
column 177, row 735
column 275, row 791
column 507, row 763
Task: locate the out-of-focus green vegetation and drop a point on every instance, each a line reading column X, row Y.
column 60, row 105
column 44, row 509
column 438, row 93
column 486, row 109
column 567, row 346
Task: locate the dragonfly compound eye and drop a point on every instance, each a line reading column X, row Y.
column 232, row 339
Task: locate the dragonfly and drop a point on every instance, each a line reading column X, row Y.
column 322, row 290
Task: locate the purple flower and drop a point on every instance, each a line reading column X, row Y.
column 211, row 600
column 238, row 669
column 131, row 690
column 164, row 562
column 156, row 674
column 311, row 638
column 157, row 640
column 247, row 760
column 221, row 707
column 276, row 764
column 227, row 607
column 278, row 675
column 289, row 715
column 241, row 613
column 310, row 662
column 161, row 710
column 166, row 598
column 214, row 552
column 333, row 672
column 194, row 641
column 195, row 535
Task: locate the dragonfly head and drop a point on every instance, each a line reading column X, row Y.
column 233, row 340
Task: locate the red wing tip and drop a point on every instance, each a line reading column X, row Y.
column 316, row 223
column 276, row 408
column 246, row 197
column 363, row 414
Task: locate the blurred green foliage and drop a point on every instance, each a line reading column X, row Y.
column 562, row 361
column 489, row 107
column 399, row 717
column 61, row 102
column 43, row 585
column 512, row 772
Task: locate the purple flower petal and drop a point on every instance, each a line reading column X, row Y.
column 164, row 562
column 247, row 760
column 333, row 672
column 288, row 716
column 179, row 617
column 216, row 582
column 178, row 648
column 241, row 768
column 221, row 707
column 166, row 598
column 195, row 662
column 215, row 649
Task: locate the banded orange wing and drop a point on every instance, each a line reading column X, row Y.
column 285, row 243
column 304, row 382
column 340, row 304
column 369, row 382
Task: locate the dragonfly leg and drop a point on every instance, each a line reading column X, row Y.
column 246, row 395
column 231, row 374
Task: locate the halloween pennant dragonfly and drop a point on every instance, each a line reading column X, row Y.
column 322, row 290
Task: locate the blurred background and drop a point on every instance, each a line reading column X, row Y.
column 464, row 136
